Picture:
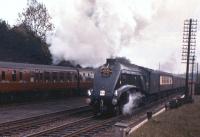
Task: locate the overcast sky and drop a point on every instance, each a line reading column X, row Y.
column 148, row 32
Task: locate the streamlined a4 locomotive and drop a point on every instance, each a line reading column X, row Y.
column 115, row 81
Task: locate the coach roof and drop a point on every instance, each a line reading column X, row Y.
column 33, row 66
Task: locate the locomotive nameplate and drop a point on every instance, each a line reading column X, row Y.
column 106, row 72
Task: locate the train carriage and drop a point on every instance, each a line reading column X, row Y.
column 160, row 81
column 16, row 78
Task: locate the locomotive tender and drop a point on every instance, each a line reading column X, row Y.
column 115, row 81
column 21, row 80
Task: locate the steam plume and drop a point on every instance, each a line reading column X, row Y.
column 89, row 31
column 132, row 103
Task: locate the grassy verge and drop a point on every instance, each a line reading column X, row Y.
column 181, row 122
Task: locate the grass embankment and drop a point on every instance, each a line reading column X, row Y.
column 181, row 122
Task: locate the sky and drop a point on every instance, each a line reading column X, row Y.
column 148, row 32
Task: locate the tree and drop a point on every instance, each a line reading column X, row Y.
column 19, row 44
column 4, row 27
column 36, row 18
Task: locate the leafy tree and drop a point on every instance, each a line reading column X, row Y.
column 19, row 44
column 36, row 18
column 4, row 27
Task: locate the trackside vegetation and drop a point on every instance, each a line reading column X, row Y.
column 181, row 122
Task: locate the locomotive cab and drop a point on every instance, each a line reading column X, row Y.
column 113, row 82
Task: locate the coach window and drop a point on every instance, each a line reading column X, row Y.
column 47, row 76
column 64, row 76
column 20, row 75
column 61, row 76
column 37, row 76
column 3, row 76
column 75, row 77
column 80, row 77
column 54, row 76
column 69, row 76
column 41, row 76
column 14, row 75
column 72, row 76
column 32, row 77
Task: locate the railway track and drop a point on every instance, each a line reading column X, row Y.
column 18, row 127
column 81, row 127
column 83, row 124
column 89, row 126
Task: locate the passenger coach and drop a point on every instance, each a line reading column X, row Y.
column 23, row 80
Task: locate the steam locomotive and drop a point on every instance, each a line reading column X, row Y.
column 20, row 81
column 115, row 81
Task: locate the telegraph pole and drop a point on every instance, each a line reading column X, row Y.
column 188, row 49
column 197, row 80
column 192, row 77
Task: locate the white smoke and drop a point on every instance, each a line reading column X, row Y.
column 89, row 31
column 132, row 103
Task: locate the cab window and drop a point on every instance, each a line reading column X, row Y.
column 129, row 79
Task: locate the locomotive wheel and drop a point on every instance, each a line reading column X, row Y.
column 117, row 110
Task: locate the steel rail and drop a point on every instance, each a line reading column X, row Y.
column 14, row 127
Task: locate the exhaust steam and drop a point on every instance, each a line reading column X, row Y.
column 132, row 103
